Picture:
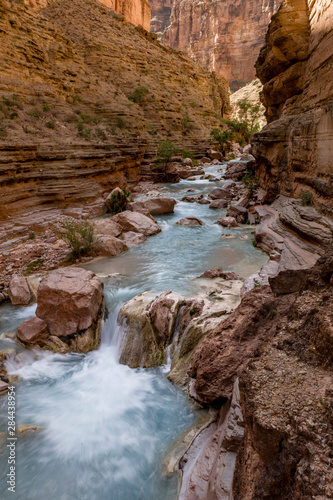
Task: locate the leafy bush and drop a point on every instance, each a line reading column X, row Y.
column 306, row 198
column 35, row 264
column 250, row 114
column 187, row 124
column 222, row 138
column 79, row 235
column 139, row 93
column 118, row 201
column 166, row 150
column 250, row 181
column 51, row 124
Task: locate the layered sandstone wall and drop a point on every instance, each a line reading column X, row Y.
column 295, row 150
column 70, row 130
column 224, row 36
column 136, row 12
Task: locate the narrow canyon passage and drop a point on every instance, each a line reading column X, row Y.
column 105, row 429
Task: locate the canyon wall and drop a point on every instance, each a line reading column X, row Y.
column 136, row 12
column 84, row 98
column 295, row 150
column 224, row 36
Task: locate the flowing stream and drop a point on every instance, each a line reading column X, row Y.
column 104, row 428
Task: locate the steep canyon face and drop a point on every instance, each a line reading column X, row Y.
column 295, row 150
column 84, row 96
column 224, row 36
column 136, row 12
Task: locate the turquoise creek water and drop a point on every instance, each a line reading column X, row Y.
column 104, row 428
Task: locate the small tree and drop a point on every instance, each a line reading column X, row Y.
column 139, row 93
column 222, row 138
column 250, row 114
column 79, row 235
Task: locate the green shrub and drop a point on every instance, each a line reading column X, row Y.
column 254, row 242
column 31, row 236
column 51, row 124
column 193, row 311
column 250, row 181
column 118, row 201
column 139, row 93
column 79, row 235
column 35, row 264
column 306, row 198
column 165, row 151
column 222, row 138
column 120, row 122
column 250, row 114
column 34, row 113
column 187, row 124
column 46, row 107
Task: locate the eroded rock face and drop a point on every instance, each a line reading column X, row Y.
column 149, row 324
column 224, row 36
column 295, row 150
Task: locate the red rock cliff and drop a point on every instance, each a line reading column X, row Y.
column 224, row 36
column 295, row 150
column 136, row 12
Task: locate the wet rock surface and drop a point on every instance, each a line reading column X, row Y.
column 19, row 291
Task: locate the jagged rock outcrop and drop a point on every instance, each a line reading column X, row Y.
column 295, row 150
column 84, row 98
column 136, row 12
column 224, row 36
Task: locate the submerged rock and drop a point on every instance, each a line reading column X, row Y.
column 19, row 291
column 190, row 221
column 149, row 324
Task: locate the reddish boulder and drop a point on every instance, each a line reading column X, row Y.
column 136, row 222
column 19, row 291
column 190, row 221
column 131, row 238
column 227, row 222
column 155, row 206
column 107, row 227
column 111, row 246
column 32, row 331
column 69, row 301
column 220, row 194
column 219, row 204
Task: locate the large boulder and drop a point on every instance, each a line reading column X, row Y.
column 227, row 222
column 136, row 222
column 218, row 204
column 107, row 227
column 155, row 206
column 220, row 194
column 111, row 246
column 69, row 300
column 190, row 221
column 149, row 323
column 70, row 307
column 19, row 291
column 116, row 200
column 215, row 155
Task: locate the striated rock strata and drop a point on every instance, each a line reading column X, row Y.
column 295, row 150
column 73, row 123
column 224, row 36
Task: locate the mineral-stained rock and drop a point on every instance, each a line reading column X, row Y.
column 190, row 221
column 295, row 149
column 19, row 291
column 155, row 206
column 107, row 227
column 136, row 222
column 33, row 331
column 149, row 324
column 110, row 246
column 70, row 301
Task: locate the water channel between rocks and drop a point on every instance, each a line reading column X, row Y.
column 105, row 429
